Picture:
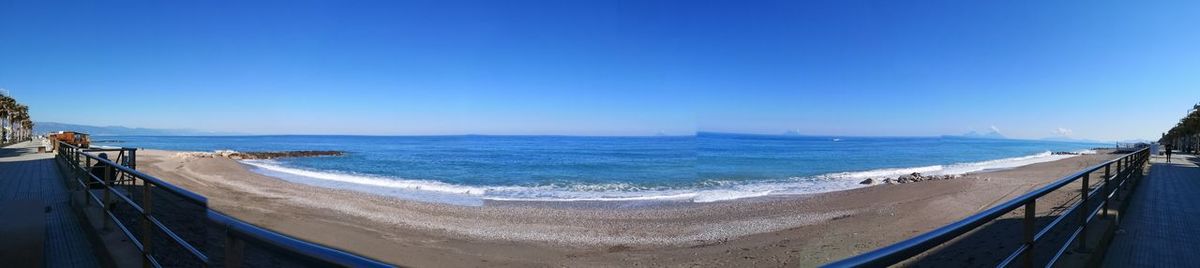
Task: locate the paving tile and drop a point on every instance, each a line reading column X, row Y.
column 1161, row 227
column 28, row 175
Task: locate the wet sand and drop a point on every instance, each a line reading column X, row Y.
column 794, row 230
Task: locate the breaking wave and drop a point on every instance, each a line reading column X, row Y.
column 705, row 191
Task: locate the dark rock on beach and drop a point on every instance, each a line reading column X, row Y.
column 916, row 177
column 907, row 178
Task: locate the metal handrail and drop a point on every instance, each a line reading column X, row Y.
column 143, row 210
column 904, row 250
column 299, row 248
column 79, row 160
column 188, row 195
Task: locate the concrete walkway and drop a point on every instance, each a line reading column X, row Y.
column 31, row 179
column 1162, row 227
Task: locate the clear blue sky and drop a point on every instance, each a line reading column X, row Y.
column 1101, row 69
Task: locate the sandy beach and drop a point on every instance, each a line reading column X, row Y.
column 794, row 230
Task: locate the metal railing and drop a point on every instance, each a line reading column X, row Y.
column 1126, row 168
column 175, row 227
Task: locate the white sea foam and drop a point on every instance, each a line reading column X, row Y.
column 1001, row 163
column 710, row 191
column 423, row 185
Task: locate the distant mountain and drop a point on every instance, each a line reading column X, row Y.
column 978, row 135
column 46, row 127
column 1137, row 141
column 1070, row 139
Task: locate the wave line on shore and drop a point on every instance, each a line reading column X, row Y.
column 712, row 191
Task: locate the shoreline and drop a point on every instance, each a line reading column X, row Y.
column 782, row 230
column 477, row 195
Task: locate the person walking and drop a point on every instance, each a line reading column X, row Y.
column 1168, row 151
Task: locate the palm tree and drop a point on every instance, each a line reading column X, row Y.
column 12, row 106
column 18, row 127
column 27, row 124
column 28, row 128
column 15, row 123
column 24, row 121
column 6, row 112
column 13, row 118
column 22, row 124
column 1186, row 133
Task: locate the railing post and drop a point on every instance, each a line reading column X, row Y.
column 1120, row 171
column 1083, row 214
column 62, row 157
column 107, row 196
column 234, row 248
column 84, row 171
column 1128, row 161
column 1124, row 161
column 133, row 159
column 87, row 176
column 147, row 210
column 1107, row 191
column 1144, row 159
column 1134, row 164
column 62, row 160
column 1030, row 224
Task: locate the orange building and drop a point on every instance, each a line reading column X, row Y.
column 70, row 137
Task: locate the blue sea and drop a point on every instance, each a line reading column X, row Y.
column 706, row 167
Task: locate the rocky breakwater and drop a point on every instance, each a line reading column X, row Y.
column 235, row 155
column 907, row 178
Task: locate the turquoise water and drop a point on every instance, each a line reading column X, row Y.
column 702, row 168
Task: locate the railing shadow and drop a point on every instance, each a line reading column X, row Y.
column 977, row 240
column 984, row 247
column 173, row 227
column 1194, row 159
column 992, row 243
column 10, row 152
column 172, row 211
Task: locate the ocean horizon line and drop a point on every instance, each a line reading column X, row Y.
column 698, row 133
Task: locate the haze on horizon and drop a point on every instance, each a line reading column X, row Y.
column 1105, row 71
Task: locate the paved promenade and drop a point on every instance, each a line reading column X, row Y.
column 26, row 178
column 1162, row 228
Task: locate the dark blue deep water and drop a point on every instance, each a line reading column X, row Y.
column 701, row 168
